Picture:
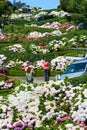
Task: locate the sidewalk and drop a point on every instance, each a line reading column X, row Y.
column 37, row 80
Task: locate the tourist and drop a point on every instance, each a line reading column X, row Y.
column 46, row 70
column 29, row 74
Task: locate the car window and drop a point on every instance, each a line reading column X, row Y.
column 79, row 67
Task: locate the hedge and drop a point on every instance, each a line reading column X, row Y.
column 78, row 80
column 37, row 73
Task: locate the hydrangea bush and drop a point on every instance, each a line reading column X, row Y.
column 51, row 105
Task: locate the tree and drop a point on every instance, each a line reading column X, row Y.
column 17, row 5
column 5, row 9
column 74, row 6
column 2, row 3
column 77, row 7
column 20, row 5
column 63, row 4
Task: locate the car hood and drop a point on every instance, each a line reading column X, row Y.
column 71, row 75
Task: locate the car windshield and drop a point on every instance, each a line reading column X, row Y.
column 79, row 67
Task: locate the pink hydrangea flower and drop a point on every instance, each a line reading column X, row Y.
column 61, row 119
column 2, row 74
column 10, row 80
column 82, row 123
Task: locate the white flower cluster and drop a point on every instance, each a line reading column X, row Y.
column 59, row 13
column 39, row 64
column 41, row 14
column 52, row 46
column 17, row 16
column 81, row 114
column 54, row 25
column 4, row 85
column 55, row 45
column 57, row 33
column 73, row 41
column 85, row 93
column 36, row 49
column 36, row 34
column 2, row 36
column 51, row 25
column 59, row 63
column 2, row 58
column 72, row 127
column 83, row 38
column 17, row 48
column 62, row 114
column 27, row 102
column 12, row 64
column 76, row 40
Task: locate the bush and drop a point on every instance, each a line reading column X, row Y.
column 37, row 73
column 16, row 73
column 24, row 30
column 78, row 80
column 3, row 78
column 78, row 18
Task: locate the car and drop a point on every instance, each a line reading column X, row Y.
column 39, row 18
column 75, row 69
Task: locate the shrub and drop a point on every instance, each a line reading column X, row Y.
column 37, row 73
column 78, row 18
column 25, row 30
column 78, row 80
column 3, row 78
column 16, row 73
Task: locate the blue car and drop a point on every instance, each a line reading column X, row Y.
column 75, row 69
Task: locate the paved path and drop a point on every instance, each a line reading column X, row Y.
column 36, row 79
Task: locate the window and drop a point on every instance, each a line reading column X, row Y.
column 79, row 67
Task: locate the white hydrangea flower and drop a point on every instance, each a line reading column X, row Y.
column 85, row 93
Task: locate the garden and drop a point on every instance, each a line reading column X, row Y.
column 51, row 105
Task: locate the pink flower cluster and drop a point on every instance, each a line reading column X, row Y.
column 81, row 123
column 10, row 81
column 23, row 67
column 58, row 119
column 1, row 74
column 68, row 26
column 20, row 125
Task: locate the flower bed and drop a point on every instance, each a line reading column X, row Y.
column 48, row 105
